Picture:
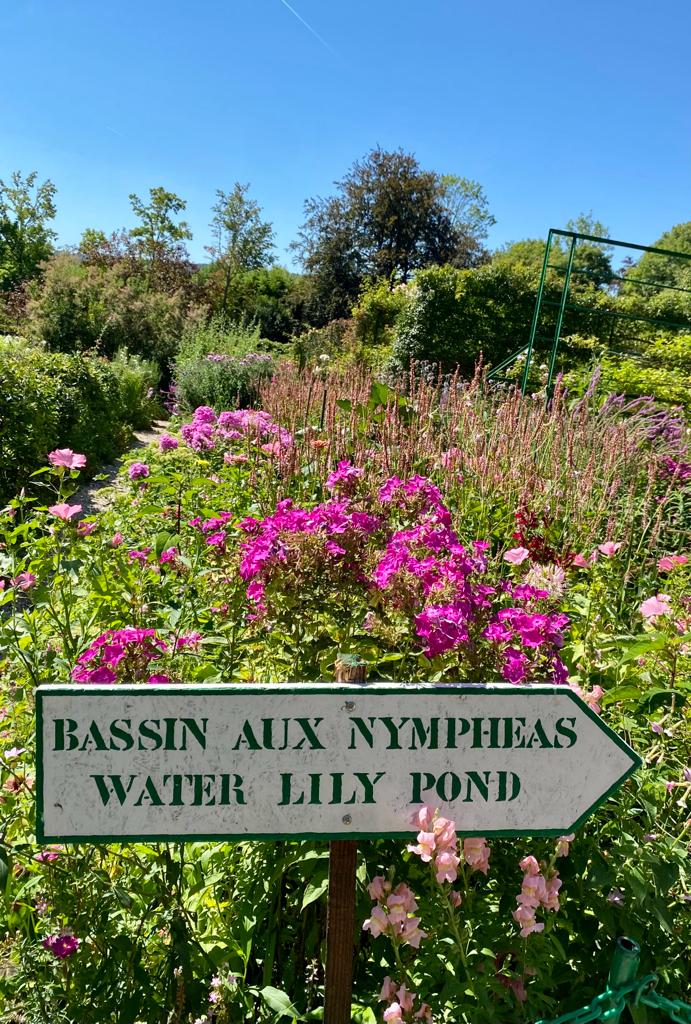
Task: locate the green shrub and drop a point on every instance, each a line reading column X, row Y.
column 454, row 316
column 221, row 381
column 76, row 308
column 138, row 379
column 53, row 400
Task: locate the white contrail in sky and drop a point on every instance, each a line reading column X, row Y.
column 309, row 28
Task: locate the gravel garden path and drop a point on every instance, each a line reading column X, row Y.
column 95, row 496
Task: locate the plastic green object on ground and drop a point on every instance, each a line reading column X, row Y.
column 624, row 989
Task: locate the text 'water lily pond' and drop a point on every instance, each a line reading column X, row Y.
column 208, row 762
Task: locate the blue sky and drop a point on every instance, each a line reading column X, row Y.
column 556, row 108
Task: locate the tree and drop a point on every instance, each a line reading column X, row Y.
column 159, row 238
column 242, row 240
column 25, row 239
column 389, row 217
column 467, row 206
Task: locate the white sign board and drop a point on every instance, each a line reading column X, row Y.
column 212, row 762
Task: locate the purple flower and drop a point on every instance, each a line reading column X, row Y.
column 616, row 896
column 167, row 443
column 61, row 946
column 138, row 470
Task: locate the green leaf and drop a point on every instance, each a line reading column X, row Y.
column 279, row 1002
column 313, row 891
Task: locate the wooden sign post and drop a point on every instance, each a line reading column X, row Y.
column 340, row 761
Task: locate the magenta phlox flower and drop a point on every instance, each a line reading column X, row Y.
column 167, row 442
column 515, row 667
column 443, row 627
column 50, row 853
column 126, row 652
column 159, row 677
column 64, row 511
column 61, row 946
column 65, row 458
column 345, row 478
column 169, row 555
column 191, row 640
column 138, row 471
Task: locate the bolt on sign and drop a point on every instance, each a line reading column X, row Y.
column 118, row 763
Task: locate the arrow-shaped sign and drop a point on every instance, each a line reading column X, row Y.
column 211, row 762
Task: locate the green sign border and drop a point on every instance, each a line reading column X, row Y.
column 478, row 689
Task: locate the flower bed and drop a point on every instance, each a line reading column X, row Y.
column 439, row 535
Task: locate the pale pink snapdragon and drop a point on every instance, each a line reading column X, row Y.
column 536, row 891
column 394, row 914
column 563, row 844
column 439, row 844
column 476, row 853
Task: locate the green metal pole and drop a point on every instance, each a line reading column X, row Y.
column 536, row 313
column 623, row 969
column 560, row 318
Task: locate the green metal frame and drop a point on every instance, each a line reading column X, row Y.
column 100, row 693
column 563, row 304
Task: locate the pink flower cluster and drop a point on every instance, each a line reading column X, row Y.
column 669, row 562
column 653, row 607
column 437, row 843
column 344, row 479
column 124, row 653
column 138, row 471
column 393, row 913
column 536, row 891
column 402, row 1004
column 421, row 571
column 207, row 431
column 274, row 542
column 61, row 946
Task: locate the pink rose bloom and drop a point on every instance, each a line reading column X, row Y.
column 609, row 548
column 654, row 606
column 668, row 562
column 516, row 555
column 65, row 458
column 64, row 511
column 24, row 581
